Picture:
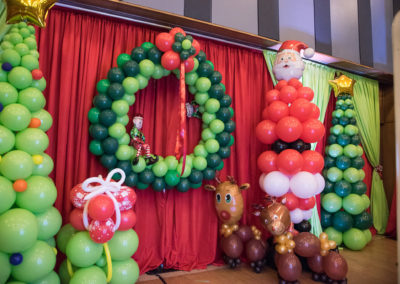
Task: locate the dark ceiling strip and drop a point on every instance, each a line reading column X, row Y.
column 154, row 17
column 268, row 18
column 365, row 32
column 200, row 10
column 322, row 26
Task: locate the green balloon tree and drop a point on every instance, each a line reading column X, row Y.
column 344, row 202
column 28, row 220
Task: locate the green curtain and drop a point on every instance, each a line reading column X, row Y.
column 366, row 106
column 269, row 59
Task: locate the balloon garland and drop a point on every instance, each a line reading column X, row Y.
column 28, row 220
column 180, row 53
column 344, row 202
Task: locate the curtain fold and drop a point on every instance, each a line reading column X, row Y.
column 179, row 230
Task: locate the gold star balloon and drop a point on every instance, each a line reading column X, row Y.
column 33, row 11
column 342, row 85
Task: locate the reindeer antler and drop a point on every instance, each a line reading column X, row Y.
column 217, row 180
column 231, row 179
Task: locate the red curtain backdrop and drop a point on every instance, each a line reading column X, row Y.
column 177, row 229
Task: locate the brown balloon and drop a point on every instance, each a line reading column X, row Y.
column 335, row 266
column 289, row 267
column 315, row 263
column 244, row 233
column 307, row 245
column 232, row 246
column 275, row 218
column 255, row 250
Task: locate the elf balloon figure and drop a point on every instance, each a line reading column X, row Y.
column 138, row 141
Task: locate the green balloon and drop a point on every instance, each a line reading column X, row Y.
column 354, row 239
column 146, row 68
column 38, row 261
column 338, row 113
column 124, row 120
column 143, row 81
column 186, row 172
column 353, row 204
column 189, row 160
column 172, row 178
column 5, row 270
column 217, row 126
column 201, row 98
column 342, row 221
column 120, row 107
column 207, row 134
column 360, row 151
column 200, row 163
column 335, row 150
column 350, row 151
column 203, row 84
column 200, row 151
column 93, row 115
column 6, row 44
column 208, row 117
column 15, row 37
column 326, row 219
column 96, row 148
column 3, row 75
column 39, row 84
column 212, row 146
column 140, row 166
column 16, row 117
column 334, row 174
column 102, row 261
column 191, row 78
column 45, row 168
column 51, row 278
column 51, row 242
column 160, row 168
column 11, row 56
column 363, row 221
column 16, row 165
column 366, row 201
column 171, row 162
column 122, row 59
column 334, row 235
column 20, row 77
column 124, row 140
column 351, row 175
column 117, row 130
column 124, row 152
column 40, row 194
column 7, row 195
column 8, row 94
column 30, row 42
column 63, row 237
column 82, row 251
column 19, row 230
column 89, row 275
column 49, row 222
column 123, row 244
column 22, row 49
column 337, row 129
column 131, row 85
column 7, row 140
column 331, row 202
column 63, row 272
column 212, row 105
column 368, row 235
column 45, row 119
column 32, row 140
column 32, row 99
column 351, row 130
column 30, row 62
column 359, row 188
column 342, row 188
column 124, row 272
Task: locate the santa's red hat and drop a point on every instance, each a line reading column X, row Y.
column 297, row 46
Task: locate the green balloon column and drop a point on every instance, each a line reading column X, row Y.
column 28, row 220
column 344, row 202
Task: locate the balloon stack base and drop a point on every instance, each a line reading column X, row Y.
column 258, row 265
column 232, row 262
column 322, row 277
column 283, row 281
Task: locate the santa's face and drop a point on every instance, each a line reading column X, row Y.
column 138, row 122
column 288, row 64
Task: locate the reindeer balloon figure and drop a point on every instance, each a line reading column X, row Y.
column 235, row 239
column 320, row 254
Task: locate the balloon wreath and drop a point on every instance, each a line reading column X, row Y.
column 174, row 51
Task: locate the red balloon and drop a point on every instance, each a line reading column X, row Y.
column 315, row 112
column 265, row 132
column 37, row 74
column 101, row 207
column 288, row 94
column 313, row 130
column 77, row 196
column 301, row 108
column 272, row 95
column 76, row 219
column 277, row 110
column 289, row 162
column 291, row 201
column 170, row 60
column 266, row 162
column 295, row 83
column 281, row 84
column 101, row 231
column 265, row 114
column 306, row 203
column 126, row 198
column 176, row 30
column 313, row 162
column 128, row 220
column 305, row 93
column 189, row 64
column 164, row 41
column 196, row 45
column 289, row 129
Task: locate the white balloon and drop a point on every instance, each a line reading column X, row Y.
column 320, row 182
column 307, row 214
column 261, row 180
column 296, row 216
column 303, row 185
column 276, row 184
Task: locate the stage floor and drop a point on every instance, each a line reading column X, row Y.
column 377, row 263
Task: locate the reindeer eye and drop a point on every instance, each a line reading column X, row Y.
column 218, row 197
column 228, row 198
column 275, row 217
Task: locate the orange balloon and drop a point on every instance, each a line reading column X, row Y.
column 281, row 249
column 20, row 185
column 35, row 122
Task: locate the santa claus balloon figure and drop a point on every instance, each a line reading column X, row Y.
column 138, row 141
column 288, row 63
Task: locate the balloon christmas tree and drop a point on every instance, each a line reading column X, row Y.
column 344, row 202
column 28, row 221
column 99, row 241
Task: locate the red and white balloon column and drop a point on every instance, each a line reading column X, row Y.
column 290, row 169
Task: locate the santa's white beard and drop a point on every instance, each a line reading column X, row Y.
column 289, row 70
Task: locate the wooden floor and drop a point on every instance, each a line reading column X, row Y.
column 375, row 264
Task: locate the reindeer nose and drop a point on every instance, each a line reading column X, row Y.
column 225, row 215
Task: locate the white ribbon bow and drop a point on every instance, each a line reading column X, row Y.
column 106, row 186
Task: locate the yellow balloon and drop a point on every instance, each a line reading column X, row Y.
column 325, row 245
column 324, row 252
column 323, row 236
column 289, row 235
column 235, row 227
column 290, row 244
column 37, row 159
column 280, row 239
column 332, row 244
column 33, row 11
column 281, row 249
